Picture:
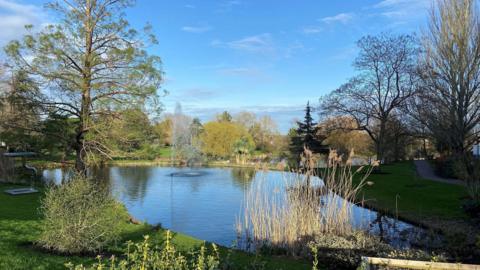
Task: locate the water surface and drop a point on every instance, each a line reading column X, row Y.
column 206, row 202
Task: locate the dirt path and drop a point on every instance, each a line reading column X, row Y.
column 425, row 170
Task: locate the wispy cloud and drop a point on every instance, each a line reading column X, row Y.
column 262, row 43
column 342, row 18
column 228, row 5
column 196, row 29
column 257, row 43
column 14, row 16
column 312, row 30
column 189, row 6
column 402, row 10
column 199, row 93
column 251, row 73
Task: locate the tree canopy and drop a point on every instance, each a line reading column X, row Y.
column 87, row 65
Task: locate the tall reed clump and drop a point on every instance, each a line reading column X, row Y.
column 144, row 256
column 291, row 213
column 80, row 216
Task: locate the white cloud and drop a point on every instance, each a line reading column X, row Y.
column 312, row 30
column 13, row 18
column 228, row 5
column 189, row 6
column 241, row 71
column 397, row 3
column 402, row 10
column 262, row 43
column 343, row 18
column 196, row 29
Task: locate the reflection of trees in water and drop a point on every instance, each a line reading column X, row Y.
column 242, row 177
column 134, row 181
column 101, row 175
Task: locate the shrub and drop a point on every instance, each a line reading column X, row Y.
column 144, row 256
column 345, row 252
column 80, row 216
column 449, row 167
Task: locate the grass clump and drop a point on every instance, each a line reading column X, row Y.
column 80, row 216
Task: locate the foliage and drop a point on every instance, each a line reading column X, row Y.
column 80, row 216
column 19, row 115
column 224, row 117
column 242, row 148
column 219, row 138
column 145, row 256
column 343, row 134
column 449, row 166
column 163, row 131
column 345, row 252
column 264, row 132
column 128, row 132
column 58, row 134
column 88, row 64
column 307, row 136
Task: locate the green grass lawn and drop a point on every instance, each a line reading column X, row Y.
column 417, row 199
column 20, row 226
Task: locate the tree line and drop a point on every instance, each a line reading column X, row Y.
column 87, row 88
column 417, row 88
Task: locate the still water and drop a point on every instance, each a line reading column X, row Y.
column 206, row 202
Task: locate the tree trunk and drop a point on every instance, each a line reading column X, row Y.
column 80, row 166
column 380, row 143
column 84, row 122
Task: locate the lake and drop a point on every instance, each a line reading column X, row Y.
column 206, row 202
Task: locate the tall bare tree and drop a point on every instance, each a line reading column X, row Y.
column 448, row 104
column 88, row 64
column 386, row 80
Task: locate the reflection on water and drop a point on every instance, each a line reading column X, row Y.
column 206, row 205
column 242, row 177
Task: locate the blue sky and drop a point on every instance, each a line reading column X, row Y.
column 265, row 56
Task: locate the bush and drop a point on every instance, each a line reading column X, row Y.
column 449, row 167
column 345, row 252
column 144, row 256
column 80, row 216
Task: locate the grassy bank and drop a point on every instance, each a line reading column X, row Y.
column 20, row 227
column 398, row 190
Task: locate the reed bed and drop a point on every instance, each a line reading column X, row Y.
column 290, row 213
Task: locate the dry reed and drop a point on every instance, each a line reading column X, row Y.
column 290, row 213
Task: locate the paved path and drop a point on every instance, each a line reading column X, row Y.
column 425, row 170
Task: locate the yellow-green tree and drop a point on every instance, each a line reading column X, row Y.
column 220, row 138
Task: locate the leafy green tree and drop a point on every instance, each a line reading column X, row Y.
column 224, row 117
column 242, row 148
column 89, row 63
column 219, row 138
column 196, row 128
column 19, row 127
column 263, row 130
column 163, row 131
column 307, row 136
column 130, row 131
column 58, row 134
